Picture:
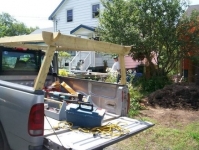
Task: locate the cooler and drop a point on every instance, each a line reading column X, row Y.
column 84, row 115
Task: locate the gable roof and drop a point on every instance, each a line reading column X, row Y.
column 81, row 26
column 191, row 8
column 54, row 12
column 38, row 31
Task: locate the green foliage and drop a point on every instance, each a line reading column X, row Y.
column 135, row 98
column 9, row 26
column 153, row 84
column 111, row 78
column 63, row 72
column 135, row 95
column 188, row 33
column 156, row 21
column 63, row 56
column 195, row 59
column 115, row 25
column 149, row 26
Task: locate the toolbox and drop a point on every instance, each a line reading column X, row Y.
column 84, row 115
column 55, row 110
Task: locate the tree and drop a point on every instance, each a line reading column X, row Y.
column 115, row 22
column 188, row 33
column 63, row 56
column 150, row 26
column 9, row 26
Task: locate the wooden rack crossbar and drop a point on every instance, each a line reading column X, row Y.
column 50, row 42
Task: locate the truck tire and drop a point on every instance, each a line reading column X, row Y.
column 3, row 140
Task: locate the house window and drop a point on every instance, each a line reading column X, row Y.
column 95, row 10
column 69, row 15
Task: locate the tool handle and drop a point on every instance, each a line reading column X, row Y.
column 87, row 104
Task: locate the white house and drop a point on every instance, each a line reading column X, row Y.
column 76, row 17
column 79, row 18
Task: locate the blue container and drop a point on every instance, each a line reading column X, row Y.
column 58, row 95
column 84, row 115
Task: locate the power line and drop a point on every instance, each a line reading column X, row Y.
column 30, row 17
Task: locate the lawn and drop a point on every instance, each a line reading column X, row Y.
column 169, row 133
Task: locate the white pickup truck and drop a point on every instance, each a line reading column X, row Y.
column 24, row 71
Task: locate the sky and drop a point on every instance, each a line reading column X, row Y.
column 35, row 12
column 31, row 12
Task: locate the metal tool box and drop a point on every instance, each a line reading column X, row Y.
column 55, row 110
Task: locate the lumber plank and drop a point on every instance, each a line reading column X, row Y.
column 57, row 41
column 80, row 44
column 28, row 46
column 123, row 69
column 50, row 37
column 22, row 38
column 64, row 42
column 39, row 82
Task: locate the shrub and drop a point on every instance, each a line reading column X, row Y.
column 111, row 78
column 135, row 98
column 153, row 84
column 63, row 72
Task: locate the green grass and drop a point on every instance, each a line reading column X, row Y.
column 160, row 137
column 193, row 131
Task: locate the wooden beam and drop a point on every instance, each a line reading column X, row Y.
column 48, row 38
column 56, row 41
column 123, row 69
column 65, row 42
column 29, row 46
column 80, row 44
column 22, row 38
column 41, row 78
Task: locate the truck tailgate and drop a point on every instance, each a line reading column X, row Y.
column 78, row 140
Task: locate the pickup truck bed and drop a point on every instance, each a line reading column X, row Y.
column 29, row 64
column 108, row 97
column 78, row 140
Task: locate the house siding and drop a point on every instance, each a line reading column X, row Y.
column 82, row 14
